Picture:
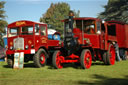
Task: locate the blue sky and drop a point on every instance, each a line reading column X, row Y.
column 33, row 9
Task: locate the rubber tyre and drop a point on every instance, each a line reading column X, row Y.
column 86, row 59
column 56, row 60
column 10, row 62
column 111, row 55
column 117, row 52
column 124, row 56
column 104, row 58
column 117, row 56
column 40, row 58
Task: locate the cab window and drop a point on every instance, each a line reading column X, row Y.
column 14, row 31
column 98, row 28
column 27, row 30
column 43, row 30
column 36, row 29
column 89, row 27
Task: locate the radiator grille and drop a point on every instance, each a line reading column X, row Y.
column 18, row 43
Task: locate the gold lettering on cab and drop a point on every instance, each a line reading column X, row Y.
column 44, row 40
column 20, row 23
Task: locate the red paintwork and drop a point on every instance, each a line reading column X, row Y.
column 70, row 61
column 88, row 59
column 42, row 58
column 74, row 58
column 112, row 54
column 126, row 35
column 10, row 52
column 78, row 33
column 59, row 60
column 94, row 40
column 121, row 33
column 38, row 41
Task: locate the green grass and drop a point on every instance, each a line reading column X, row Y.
column 98, row 74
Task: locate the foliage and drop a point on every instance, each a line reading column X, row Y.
column 3, row 23
column 55, row 13
column 115, row 10
column 98, row 74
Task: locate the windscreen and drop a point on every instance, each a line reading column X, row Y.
column 89, row 26
column 14, row 31
column 27, row 30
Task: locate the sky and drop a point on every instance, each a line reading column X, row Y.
column 33, row 9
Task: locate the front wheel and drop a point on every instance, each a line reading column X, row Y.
column 40, row 58
column 110, row 59
column 86, row 59
column 57, row 60
column 10, row 62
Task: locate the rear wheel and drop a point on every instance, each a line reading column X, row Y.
column 57, row 60
column 105, row 57
column 40, row 58
column 86, row 59
column 110, row 59
column 117, row 52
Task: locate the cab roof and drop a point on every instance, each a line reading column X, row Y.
column 23, row 23
column 84, row 18
column 116, row 22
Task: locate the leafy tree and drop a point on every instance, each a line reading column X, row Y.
column 3, row 23
column 55, row 13
column 115, row 10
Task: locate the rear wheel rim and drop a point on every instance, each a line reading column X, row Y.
column 58, row 61
column 112, row 55
column 87, row 60
column 42, row 58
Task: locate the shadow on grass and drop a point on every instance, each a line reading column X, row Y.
column 102, row 80
column 98, row 63
column 6, row 66
column 77, row 65
column 26, row 65
column 29, row 65
column 50, row 66
column 66, row 65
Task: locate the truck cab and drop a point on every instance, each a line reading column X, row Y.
column 29, row 37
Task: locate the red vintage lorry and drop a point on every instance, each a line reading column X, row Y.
column 85, row 39
column 121, row 32
column 32, row 39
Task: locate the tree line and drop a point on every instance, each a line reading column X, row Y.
column 115, row 10
column 55, row 13
column 3, row 22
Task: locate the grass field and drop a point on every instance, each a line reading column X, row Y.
column 98, row 74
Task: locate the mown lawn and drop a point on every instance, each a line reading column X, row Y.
column 98, row 74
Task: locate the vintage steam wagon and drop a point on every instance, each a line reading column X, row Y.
column 85, row 39
column 120, row 30
column 32, row 39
